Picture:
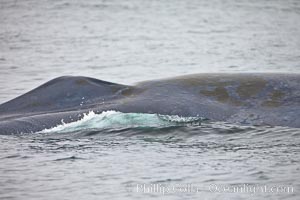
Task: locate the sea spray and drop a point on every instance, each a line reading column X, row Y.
column 114, row 119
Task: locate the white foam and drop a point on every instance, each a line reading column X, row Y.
column 116, row 119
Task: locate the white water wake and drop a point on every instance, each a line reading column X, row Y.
column 115, row 119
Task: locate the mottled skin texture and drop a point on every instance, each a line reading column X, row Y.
column 255, row 99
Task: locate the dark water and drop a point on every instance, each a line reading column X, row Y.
column 140, row 156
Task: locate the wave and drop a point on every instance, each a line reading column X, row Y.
column 118, row 120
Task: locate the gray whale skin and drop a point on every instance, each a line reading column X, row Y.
column 251, row 99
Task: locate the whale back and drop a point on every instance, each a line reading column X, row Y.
column 252, row 99
column 257, row 99
column 61, row 94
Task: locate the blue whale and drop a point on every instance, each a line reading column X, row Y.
column 252, row 99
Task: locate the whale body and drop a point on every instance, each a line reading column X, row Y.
column 251, row 99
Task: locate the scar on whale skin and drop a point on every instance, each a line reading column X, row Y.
column 275, row 99
column 221, row 94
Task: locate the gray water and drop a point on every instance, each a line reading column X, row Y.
column 135, row 40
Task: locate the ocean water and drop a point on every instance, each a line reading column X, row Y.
column 116, row 155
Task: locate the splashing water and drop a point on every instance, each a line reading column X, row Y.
column 115, row 119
